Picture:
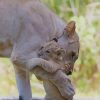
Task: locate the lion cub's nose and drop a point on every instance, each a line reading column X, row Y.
column 40, row 54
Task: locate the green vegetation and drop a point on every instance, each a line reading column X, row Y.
column 86, row 76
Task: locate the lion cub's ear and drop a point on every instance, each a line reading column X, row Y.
column 70, row 28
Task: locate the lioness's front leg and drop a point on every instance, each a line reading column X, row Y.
column 23, row 83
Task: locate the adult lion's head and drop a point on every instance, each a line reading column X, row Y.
column 70, row 43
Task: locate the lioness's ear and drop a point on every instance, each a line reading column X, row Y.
column 70, row 28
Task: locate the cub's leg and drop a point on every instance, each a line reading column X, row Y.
column 64, row 85
column 59, row 80
column 52, row 93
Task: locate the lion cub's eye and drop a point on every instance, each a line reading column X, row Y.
column 58, row 53
column 47, row 51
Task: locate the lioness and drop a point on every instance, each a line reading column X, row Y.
column 24, row 26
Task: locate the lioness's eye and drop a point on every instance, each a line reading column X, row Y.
column 41, row 48
column 73, row 54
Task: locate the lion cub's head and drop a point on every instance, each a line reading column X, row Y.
column 51, row 51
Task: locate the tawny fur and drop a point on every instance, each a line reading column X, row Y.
column 25, row 25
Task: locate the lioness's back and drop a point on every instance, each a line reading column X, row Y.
column 14, row 14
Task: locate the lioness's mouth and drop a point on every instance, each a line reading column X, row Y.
column 68, row 69
column 67, row 65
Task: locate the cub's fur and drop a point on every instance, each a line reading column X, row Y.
column 51, row 51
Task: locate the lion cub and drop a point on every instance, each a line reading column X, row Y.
column 51, row 51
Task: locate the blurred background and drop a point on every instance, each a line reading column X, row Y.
column 86, row 75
